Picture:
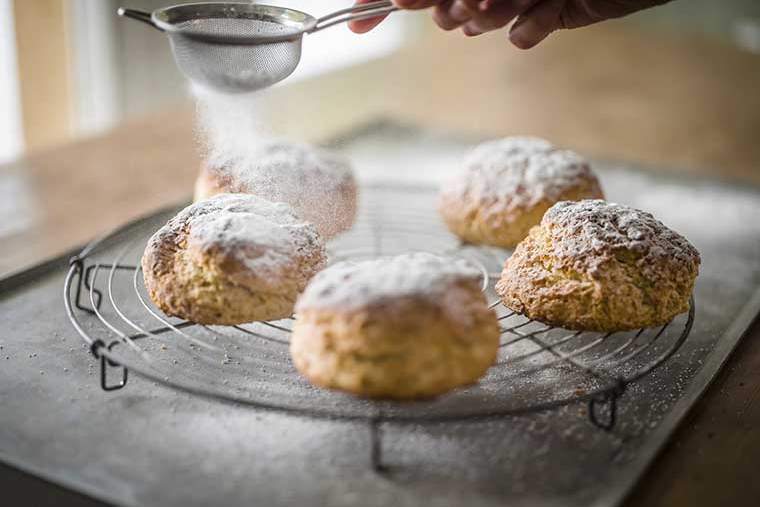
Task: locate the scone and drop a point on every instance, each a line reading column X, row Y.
column 405, row 327
column 599, row 266
column 506, row 187
column 231, row 259
column 318, row 184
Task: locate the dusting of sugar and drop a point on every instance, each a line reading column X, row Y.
column 318, row 184
column 588, row 232
column 230, row 127
column 288, row 172
column 518, row 172
column 351, row 285
column 261, row 235
column 237, row 141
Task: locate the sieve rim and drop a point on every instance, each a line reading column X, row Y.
column 168, row 19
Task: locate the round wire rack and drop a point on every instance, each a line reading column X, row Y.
column 538, row 367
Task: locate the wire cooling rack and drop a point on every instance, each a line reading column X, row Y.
column 539, row 367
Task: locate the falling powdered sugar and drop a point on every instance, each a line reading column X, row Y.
column 243, row 158
column 289, row 172
column 318, row 185
column 238, row 144
column 230, row 127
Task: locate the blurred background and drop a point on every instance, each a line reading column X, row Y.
column 71, row 68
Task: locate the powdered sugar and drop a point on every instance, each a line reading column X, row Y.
column 255, row 161
column 519, row 172
column 260, row 234
column 590, row 231
column 350, row 285
column 318, row 184
column 230, row 126
column 279, row 170
column 242, row 155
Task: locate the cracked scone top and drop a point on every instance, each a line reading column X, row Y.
column 411, row 326
column 317, row 183
column 508, row 184
column 600, row 266
column 231, row 259
column 591, row 232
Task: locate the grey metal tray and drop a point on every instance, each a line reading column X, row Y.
column 148, row 444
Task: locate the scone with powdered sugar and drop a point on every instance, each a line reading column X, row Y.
column 404, row 327
column 599, row 266
column 231, row 259
column 508, row 184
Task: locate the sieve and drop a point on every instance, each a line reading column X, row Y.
column 237, row 47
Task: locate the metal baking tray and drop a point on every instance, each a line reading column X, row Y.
column 151, row 444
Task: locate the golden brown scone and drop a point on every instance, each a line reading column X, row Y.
column 411, row 326
column 599, row 266
column 231, row 259
column 506, row 187
column 319, row 185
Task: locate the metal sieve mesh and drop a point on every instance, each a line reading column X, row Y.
column 235, row 68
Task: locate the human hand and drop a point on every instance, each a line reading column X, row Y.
column 535, row 19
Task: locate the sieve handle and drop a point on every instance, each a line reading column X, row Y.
column 143, row 16
column 355, row 13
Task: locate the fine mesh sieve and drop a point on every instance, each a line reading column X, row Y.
column 235, row 47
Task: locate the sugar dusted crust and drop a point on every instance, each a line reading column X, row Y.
column 600, row 266
column 318, row 184
column 421, row 340
column 508, row 184
column 231, row 259
column 350, row 285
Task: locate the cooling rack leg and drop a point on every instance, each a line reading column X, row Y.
column 87, row 279
column 105, row 363
column 83, row 279
column 596, row 409
column 376, row 449
column 606, row 403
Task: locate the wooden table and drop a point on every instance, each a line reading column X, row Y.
column 607, row 91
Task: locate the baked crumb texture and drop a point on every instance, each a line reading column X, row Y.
column 599, row 266
column 231, row 259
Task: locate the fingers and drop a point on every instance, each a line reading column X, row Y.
column 451, row 14
column 473, row 16
column 535, row 24
column 365, row 25
column 495, row 14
